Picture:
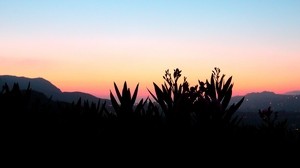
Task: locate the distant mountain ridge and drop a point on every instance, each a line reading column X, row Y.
column 47, row 88
column 289, row 102
column 295, row 92
column 262, row 100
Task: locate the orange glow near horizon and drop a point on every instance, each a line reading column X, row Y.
column 96, row 77
column 89, row 46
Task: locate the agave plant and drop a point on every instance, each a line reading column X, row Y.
column 217, row 95
column 126, row 107
column 173, row 99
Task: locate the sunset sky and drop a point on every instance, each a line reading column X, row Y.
column 87, row 45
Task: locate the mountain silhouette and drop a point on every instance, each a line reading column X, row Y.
column 288, row 102
column 262, row 100
column 47, row 88
column 295, row 92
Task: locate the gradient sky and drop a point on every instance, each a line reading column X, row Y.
column 87, row 45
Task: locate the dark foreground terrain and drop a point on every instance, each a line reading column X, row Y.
column 181, row 118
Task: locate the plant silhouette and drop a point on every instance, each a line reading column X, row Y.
column 178, row 115
column 204, row 105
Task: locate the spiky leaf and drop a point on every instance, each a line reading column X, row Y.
column 114, row 103
column 117, row 91
column 135, row 94
column 227, row 97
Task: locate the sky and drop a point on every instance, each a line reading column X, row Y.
column 87, row 45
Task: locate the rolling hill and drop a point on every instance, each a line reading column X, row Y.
column 48, row 89
column 262, row 100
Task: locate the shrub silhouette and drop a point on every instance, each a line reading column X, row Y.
column 272, row 130
column 24, row 114
column 270, row 119
column 83, row 119
column 213, row 102
column 14, row 106
column 204, row 106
